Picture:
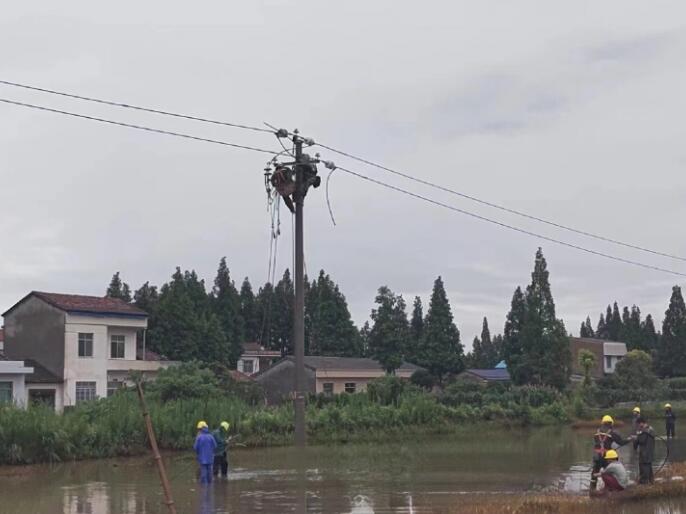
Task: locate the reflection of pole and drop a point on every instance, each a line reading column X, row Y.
column 299, row 307
column 168, row 500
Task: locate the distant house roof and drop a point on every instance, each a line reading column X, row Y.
column 40, row 375
column 239, row 376
column 501, row 365
column 349, row 363
column 75, row 303
column 256, row 349
column 490, row 375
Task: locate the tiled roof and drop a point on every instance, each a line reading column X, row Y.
column 593, row 340
column 496, row 375
column 86, row 304
column 256, row 349
column 40, row 375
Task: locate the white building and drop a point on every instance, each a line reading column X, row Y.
column 81, row 347
column 613, row 352
column 13, row 382
column 256, row 358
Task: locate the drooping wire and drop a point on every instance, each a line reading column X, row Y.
column 138, row 127
column 510, row 227
column 135, row 107
column 502, row 207
column 328, row 198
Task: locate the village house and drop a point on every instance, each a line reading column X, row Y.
column 13, row 381
column 256, row 358
column 80, row 347
column 325, row 375
column 607, row 355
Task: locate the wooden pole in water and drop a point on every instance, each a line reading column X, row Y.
column 168, row 500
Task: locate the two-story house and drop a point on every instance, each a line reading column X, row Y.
column 80, row 347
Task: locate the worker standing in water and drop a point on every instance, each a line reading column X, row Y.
column 670, row 421
column 635, row 414
column 221, row 461
column 605, row 439
column 645, row 442
column 204, row 449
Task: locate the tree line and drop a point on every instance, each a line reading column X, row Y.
column 189, row 322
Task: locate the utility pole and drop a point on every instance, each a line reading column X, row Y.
column 292, row 181
column 299, row 307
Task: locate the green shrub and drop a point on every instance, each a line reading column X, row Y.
column 386, row 390
column 422, row 378
column 187, row 380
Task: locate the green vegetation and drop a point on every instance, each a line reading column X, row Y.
column 184, row 395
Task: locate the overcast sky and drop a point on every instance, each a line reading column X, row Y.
column 572, row 111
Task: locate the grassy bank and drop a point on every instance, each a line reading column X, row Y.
column 114, row 426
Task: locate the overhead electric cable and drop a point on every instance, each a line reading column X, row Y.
column 510, row 227
column 139, row 127
column 135, row 107
column 502, row 207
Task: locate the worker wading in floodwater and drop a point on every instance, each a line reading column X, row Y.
column 204, row 449
column 221, row 461
column 605, row 439
column 670, row 421
column 645, row 443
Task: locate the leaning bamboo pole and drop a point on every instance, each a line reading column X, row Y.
column 168, row 500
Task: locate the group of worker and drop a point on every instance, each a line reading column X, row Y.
column 211, row 451
column 606, row 463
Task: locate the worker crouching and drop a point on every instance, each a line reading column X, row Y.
column 614, row 475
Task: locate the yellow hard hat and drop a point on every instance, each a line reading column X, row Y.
column 225, row 425
column 607, row 419
column 637, row 409
column 202, row 424
column 611, row 455
column 668, row 405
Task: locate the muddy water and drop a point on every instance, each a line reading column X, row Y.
column 416, row 476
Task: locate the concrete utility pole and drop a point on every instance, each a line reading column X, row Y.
column 292, row 181
column 299, row 307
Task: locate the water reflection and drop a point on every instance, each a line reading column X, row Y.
column 412, row 477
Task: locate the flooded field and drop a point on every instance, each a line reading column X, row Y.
column 438, row 474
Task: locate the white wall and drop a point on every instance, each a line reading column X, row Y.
column 18, row 389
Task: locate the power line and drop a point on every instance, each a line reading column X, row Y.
column 139, row 127
column 502, row 207
column 135, row 107
column 510, row 227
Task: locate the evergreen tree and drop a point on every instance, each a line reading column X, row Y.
column 614, row 326
column 147, row 298
column 476, row 358
column 390, row 331
column 332, row 331
column 118, row 289
column 586, row 328
column 282, row 315
column 249, row 312
column 632, row 334
column 364, row 338
column 498, row 344
column 649, row 335
column 265, row 307
column 186, row 327
column 513, row 352
column 226, row 306
column 601, row 331
column 671, row 354
column 416, row 331
column 545, row 343
column 491, row 356
column 441, row 351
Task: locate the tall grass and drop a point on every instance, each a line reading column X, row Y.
column 115, row 427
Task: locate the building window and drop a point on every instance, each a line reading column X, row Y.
column 117, row 345
column 328, row 388
column 113, row 387
column 85, row 345
column 350, row 387
column 248, row 366
column 6, row 392
column 85, row 391
column 608, row 361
